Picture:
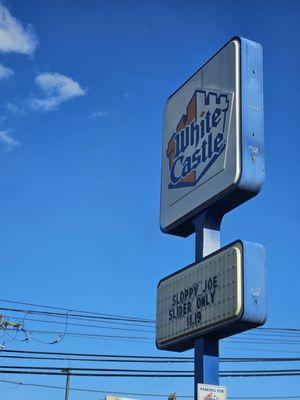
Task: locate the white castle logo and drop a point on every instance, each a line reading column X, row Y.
column 200, row 138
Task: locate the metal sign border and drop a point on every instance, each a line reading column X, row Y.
column 251, row 140
column 247, row 318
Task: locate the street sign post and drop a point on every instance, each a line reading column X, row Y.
column 212, row 161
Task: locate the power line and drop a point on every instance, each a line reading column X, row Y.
column 147, row 338
column 93, row 390
column 77, row 316
column 230, row 374
column 83, row 325
column 91, row 335
column 261, row 336
column 259, row 359
column 114, row 375
column 147, row 361
column 95, row 360
column 279, row 329
column 114, row 316
column 96, row 355
column 63, row 369
column 260, row 333
column 261, row 350
column 263, row 342
column 141, row 394
column 146, row 358
column 111, row 317
column 255, row 336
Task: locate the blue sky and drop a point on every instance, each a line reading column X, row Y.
column 83, row 85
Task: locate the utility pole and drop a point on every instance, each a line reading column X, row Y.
column 67, row 371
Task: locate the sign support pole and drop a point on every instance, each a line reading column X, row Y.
column 206, row 351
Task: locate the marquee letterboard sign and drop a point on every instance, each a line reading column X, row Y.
column 221, row 295
column 212, row 151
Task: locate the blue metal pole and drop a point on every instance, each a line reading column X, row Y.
column 206, row 361
column 206, row 350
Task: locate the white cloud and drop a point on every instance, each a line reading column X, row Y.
column 5, row 72
column 12, row 107
column 56, row 89
column 8, row 141
column 18, row 109
column 14, row 37
column 99, row 113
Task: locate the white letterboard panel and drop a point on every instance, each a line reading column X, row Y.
column 215, row 296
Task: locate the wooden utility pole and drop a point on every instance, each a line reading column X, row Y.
column 67, row 371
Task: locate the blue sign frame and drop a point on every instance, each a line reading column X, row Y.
column 254, row 310
column 251, row 140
